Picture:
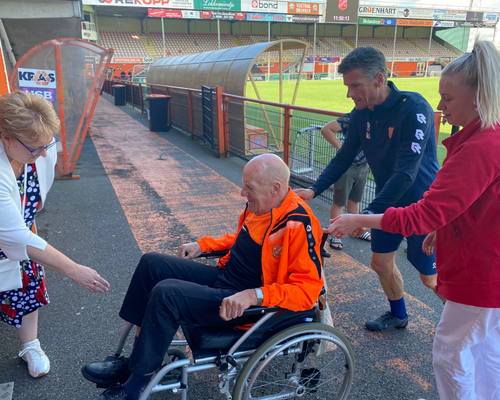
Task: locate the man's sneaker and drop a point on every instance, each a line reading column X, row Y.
column 387, row 320
column 114, row 392
column 38, row 362
column 112, row 370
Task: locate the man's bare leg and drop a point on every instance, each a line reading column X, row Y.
column 384, row 264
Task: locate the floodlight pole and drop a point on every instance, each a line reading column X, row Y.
column 463, row 39
column 357, row 32
column 428, row 52
column 394, row 49
column 218, row 32
column 314, row 52
column 163, row 36
column 268, row 53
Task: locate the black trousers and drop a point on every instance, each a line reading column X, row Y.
column 165, row 292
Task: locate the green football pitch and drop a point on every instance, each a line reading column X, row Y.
column 331, row 95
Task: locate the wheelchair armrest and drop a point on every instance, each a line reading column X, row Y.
column 257, row 310
column 214, row 254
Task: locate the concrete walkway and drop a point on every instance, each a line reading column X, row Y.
column 140, row 191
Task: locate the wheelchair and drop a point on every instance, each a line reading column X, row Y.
column 276, row 358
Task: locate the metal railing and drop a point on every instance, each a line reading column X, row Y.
column 247, row 127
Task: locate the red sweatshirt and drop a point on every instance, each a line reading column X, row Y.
column 463, row 206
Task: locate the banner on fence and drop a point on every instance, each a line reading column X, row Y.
column 39, row 81
column 414, row 22
column 183, row 4
column 303, row 18
column 266, row 17
column 256, row 6
column 378, row 21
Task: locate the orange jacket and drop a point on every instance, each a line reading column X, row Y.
column 291, row 256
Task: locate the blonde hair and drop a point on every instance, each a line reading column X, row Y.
column 480, row 71
column 26, row 116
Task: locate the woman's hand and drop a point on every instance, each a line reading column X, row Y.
column 89, row 279
column 342, row 226
column 429, row 244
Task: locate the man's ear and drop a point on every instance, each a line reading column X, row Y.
column 275, row 189
column 379, row 78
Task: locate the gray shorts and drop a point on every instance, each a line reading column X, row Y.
column 351, row 185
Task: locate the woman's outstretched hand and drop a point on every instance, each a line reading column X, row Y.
column 89, row 279
column 342, row 226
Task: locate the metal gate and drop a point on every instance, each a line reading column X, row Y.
column 207, row 104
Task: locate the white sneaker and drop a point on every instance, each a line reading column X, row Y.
column 38, row 362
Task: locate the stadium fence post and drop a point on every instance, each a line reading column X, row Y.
column 226, row 125
column 132, row 93
column 140, row 94
column 191, row 122
column 286, row 135
column 220, row 121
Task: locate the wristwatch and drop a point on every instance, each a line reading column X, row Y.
column 260, row 296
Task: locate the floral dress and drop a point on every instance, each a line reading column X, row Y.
column 14, row 304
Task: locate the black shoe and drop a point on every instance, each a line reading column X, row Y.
column 112, row 370
column 387, row 320
column 115, row 392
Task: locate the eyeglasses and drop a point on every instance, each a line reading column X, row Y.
column 40, row 150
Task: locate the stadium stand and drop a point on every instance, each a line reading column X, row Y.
column 437, row 50
column 183, row 43
column 126, row 44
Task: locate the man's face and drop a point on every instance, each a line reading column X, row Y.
column 258, row 193
column 362, row 90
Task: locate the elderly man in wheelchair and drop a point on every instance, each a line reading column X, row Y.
column 271, row 277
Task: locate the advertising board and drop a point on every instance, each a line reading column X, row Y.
column 303, row 18
column 444, row 24
column 415, row 13
column 303, row 8
column 163, row 13
column 218, row 5
column 264, row 6
column 266, row 17
column 414, row 22
column 224, row 15
column 38, row 81
column 378, row 21
column 370, row 11
column 184, row 4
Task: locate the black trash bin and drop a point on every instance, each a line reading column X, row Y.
column 158, row 112
column 119, row 92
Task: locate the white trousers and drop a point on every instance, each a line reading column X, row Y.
column 466, row 353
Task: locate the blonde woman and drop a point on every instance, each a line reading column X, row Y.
column 27, row 160
column 461, row 209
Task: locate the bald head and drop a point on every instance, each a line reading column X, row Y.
column 269, row 168
column 265, row 183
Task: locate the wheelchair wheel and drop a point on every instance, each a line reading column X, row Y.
column 286, row 367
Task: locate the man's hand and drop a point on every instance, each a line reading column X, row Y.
column 429, row 244
column 233, row 306
column 190, row 250
column 305, row 194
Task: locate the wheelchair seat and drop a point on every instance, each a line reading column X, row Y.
column 208, row 342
